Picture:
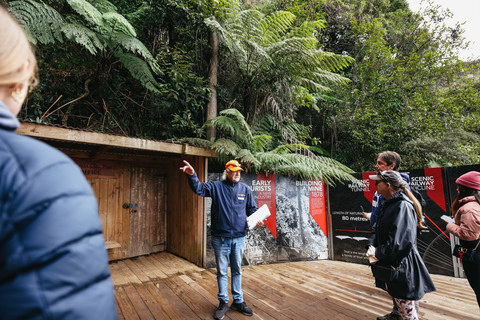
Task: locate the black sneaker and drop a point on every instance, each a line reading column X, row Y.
column 390, row 316
column 220, row 312
column 242, row 308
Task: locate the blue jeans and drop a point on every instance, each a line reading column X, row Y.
column 229, row 250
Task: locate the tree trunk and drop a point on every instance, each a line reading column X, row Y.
column 212, row 104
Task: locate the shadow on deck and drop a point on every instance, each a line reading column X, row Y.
column 164, row 286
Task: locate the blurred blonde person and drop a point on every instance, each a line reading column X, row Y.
column 53, row 262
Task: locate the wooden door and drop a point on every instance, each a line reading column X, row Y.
column 147, row 211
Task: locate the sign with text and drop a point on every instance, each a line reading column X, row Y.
column 318, row 204
column 350, row 229
column 98, row 169
column 265, row 187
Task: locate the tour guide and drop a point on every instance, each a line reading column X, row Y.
column 232, row 202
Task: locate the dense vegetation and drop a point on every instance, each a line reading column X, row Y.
column 302, row 79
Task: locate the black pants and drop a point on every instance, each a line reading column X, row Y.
column 472, row 271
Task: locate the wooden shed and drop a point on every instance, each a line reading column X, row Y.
column 145, row 203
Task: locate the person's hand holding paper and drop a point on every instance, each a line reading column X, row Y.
column 256, row 219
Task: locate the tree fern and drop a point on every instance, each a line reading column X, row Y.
column 118, row 23
column 40, row 22
column 134, row 45
column 226, row 146
column 100, row 29
column 269, row 52
column 83, row 36
column 139, row 70
column 103, row 5
column 89, row 12
column 273, row 149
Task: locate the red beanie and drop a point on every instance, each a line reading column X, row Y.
column 470, row 180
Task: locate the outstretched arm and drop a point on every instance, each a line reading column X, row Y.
column 188, row 169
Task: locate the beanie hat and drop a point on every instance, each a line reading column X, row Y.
column 470, row 180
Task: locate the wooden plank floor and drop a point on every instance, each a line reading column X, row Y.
column 163, row 286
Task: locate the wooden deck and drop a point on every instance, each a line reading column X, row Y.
column 163, row 286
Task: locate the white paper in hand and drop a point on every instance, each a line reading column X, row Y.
column 259, row 215
column 447, row 218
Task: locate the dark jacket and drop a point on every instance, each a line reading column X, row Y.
column 53, row 261
column 231, row 204
column 396, row 243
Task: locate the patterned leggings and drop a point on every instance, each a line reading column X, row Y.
column 407, row 309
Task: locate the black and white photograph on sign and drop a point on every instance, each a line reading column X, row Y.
column 350, row 230
column 298, row 235
column 260, row 244
column 210, row 256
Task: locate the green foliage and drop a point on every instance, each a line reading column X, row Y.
column 83, row 36
column 269, row 60
column 267, row 148
column 40, row 22
column 140, row 71
column 284, row 67
column 405, row 72
column 101, row 28
column 453, row 148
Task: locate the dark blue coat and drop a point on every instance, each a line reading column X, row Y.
column 53, row 261
column 396, row 243
column 231, row 204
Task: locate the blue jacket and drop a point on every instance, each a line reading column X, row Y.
column 231, row 204
column 378, row 199
column 53, row 261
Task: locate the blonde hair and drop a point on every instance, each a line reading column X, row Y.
column 15, row 50
column 417, row 206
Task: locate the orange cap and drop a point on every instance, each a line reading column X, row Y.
column 233, row 165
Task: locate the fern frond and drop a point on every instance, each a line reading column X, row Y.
column 83, row 36
column 267, row 125
column 138, row 14
column 103, row 5
column 226, row 147
column 41, row 22
column 289, row 148
column 238, row 116
column 134, row 45
column 118, row 23
column 332, row 62
column 293, row 47
column 275, row 25
column 328, row 77
column 261, row 142
column 88, row 12
column 246, row 156
column 303, row 167
column 246, row 25
column 230, row 127
column 140, row 71
column 313, row 85
column 307, row 29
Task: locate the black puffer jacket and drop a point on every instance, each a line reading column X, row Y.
column 395, row 243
